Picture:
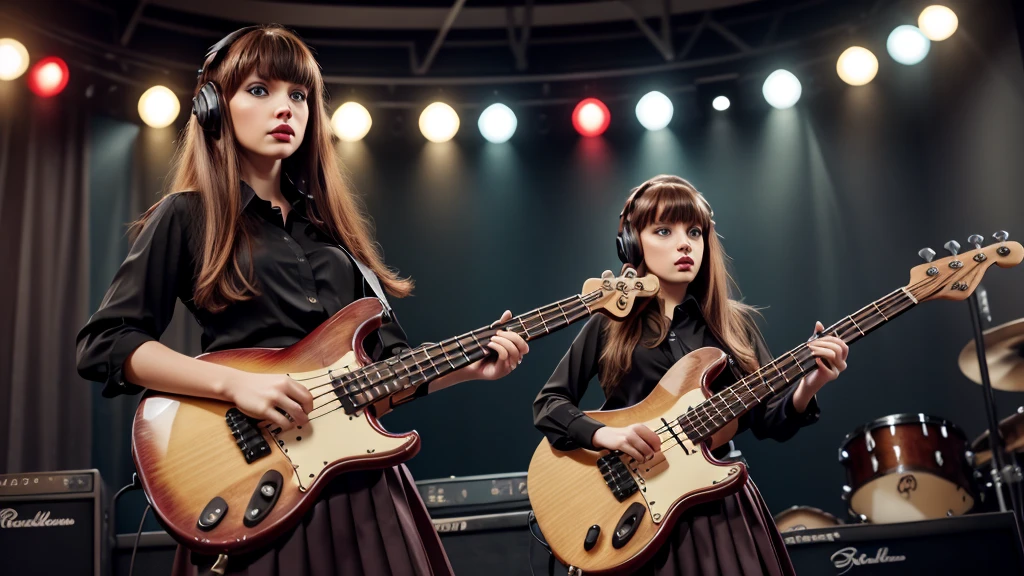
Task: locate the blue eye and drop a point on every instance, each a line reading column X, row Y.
column 696, row 232
column 254, row 89
column 662, row 231
column 301, row 96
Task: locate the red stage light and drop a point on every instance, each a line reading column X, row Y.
column 591, row 117
column 48, row 77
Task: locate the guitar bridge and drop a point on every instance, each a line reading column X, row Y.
column 617, row 476
column 247, row 435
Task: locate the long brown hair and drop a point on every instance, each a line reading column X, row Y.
column 670, row 200
column 211, row 167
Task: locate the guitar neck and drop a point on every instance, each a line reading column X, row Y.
column 707, row 418
column 419, row 366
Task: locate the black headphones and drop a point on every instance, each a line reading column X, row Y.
column 627, row 244
column 206, row 105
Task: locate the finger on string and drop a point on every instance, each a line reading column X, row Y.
column 502, row 353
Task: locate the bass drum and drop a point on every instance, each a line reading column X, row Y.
column 804, row 518
column 907, row 467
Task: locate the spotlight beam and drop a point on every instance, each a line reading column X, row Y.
column 453, row 13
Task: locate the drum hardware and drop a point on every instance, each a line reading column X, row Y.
column 1007, row 362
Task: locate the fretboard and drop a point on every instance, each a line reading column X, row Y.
column 702, row 421
column 419, row 366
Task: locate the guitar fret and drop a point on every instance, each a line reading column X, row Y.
column 525, row 329
column 855, row 325
column 875, row 304
column 463, row 348
column 566, row 318
column 447, row 359
column 580, row 298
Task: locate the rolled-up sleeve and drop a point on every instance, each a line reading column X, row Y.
column 555, row 411
column 139, row 303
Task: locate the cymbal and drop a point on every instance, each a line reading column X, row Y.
column 1012, row 429
column 1004, row 352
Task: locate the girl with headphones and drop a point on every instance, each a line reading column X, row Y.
column 666, row 229
column 262, row 242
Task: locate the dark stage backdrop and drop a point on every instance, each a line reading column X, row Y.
column 822, row 207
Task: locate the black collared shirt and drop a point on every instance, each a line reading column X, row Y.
column 302, row 275
column 556, row 411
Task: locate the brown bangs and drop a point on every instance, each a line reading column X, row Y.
column 669, row 203
column 274, row 53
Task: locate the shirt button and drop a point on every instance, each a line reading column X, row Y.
column 311, row 300
column 302, row 259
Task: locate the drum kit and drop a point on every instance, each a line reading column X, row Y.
column 908, row 467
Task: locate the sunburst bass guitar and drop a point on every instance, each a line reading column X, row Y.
column 221, row 483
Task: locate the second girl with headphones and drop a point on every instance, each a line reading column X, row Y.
column 666, row 229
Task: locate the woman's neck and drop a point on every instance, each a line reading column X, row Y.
column 673, row 295
column 264, row 177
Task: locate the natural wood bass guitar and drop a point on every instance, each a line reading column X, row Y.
column 221, row 483
column 603, row 512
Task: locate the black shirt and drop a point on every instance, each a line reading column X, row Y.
column 302, row 275
column 556, row 413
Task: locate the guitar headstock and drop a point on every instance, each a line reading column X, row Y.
column 956, row 276
column 618, row 293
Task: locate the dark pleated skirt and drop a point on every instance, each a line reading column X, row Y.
column 364, row 524
column 735, row 536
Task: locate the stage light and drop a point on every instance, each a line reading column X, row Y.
column 158, row 107
column 937, row 22
column 781, row 89
column 857, row 66
column 907, row 45
column 654, row 110
column 13, row 59
column 497, row 123
column 591, row 117
column 439, row 122
column 721, row 103
column 48, row 77
column 351, row 121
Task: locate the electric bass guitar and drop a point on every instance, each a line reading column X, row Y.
column 603, row 512
column 221, row 483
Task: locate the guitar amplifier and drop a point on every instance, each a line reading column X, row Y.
column 971, row 544
column 483, row 524
column 53, row 523
column 469, row 495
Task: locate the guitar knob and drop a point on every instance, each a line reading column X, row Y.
column 1001, row 236
column 926, row 254
column 952, row 247
column 976, row 240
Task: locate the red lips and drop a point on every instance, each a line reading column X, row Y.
column 685, row 260
column 283, row 129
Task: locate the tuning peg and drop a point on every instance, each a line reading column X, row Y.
column 926, row 254
column 1002, row 235
column 607, row 274
column 976, row 240
column 952, row 247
